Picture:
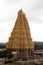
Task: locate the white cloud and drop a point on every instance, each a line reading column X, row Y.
column 5, row 30
column 36, row 31
column 9, row 8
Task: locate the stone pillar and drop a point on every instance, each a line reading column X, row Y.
column 25, row 54
column 31, row 53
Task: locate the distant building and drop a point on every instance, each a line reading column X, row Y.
column 20, row 39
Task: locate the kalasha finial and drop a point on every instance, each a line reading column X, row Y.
column 20, row 12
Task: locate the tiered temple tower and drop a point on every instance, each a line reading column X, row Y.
column 20, row 39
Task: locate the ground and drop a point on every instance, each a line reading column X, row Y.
column 15, row 64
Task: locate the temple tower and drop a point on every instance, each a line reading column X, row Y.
column 20, row 39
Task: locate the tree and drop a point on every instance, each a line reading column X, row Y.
column 6, row 54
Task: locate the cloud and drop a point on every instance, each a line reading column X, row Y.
column 36, row 31
column 36, row 12
column 38, row 6
column 5, row 30
column 8, row 14
column 32, row 8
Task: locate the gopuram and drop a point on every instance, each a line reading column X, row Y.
column 20, row 40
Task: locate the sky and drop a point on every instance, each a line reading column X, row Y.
column 33, row 10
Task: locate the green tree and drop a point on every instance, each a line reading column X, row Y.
column 6, row 54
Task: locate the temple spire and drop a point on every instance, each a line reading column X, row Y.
column 20, row 36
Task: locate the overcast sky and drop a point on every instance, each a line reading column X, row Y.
column 8, row 14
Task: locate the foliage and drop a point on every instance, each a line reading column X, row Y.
column 2, row 45
column 38, row 46
column 6, row 54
